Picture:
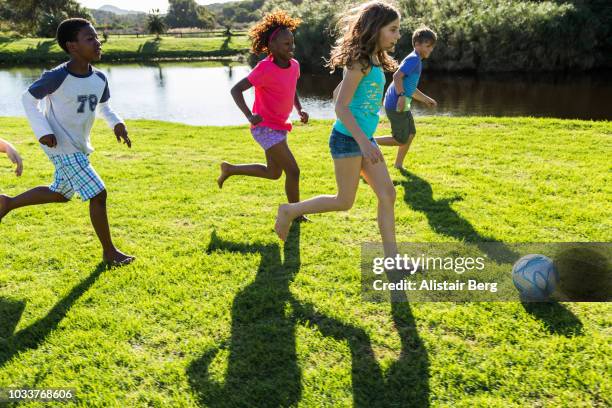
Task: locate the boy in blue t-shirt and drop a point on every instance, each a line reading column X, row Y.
column 73, row 92
column 401, row 93
column 13, row 155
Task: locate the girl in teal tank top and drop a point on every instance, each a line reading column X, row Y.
column 366, row 103
column 370, row 31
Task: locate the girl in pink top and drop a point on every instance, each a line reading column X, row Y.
column 275, row 80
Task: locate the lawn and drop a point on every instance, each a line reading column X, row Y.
column 33, row 50
column 217, row 312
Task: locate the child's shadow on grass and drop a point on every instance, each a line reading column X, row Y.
column 556, row 317
column 31, row 337
column 262, row 368
column 406, row 381
column 443, row 220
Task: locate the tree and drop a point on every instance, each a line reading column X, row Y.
column 42, row 17
column 187, row 13
column 206, row 19
column 48, row 23
column 155, row 23
column 6, row 13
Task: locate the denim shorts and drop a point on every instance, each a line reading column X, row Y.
column 342, row 145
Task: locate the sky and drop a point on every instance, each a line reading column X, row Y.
column 139, row 5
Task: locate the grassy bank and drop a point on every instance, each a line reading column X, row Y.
column 34, row 50
column 216, row 312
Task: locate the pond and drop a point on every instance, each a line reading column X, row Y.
column 197, row 93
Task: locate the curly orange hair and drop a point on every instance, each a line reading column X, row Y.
column 359, row 32
column 260, row 33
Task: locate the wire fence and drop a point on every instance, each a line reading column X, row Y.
column 177, row 34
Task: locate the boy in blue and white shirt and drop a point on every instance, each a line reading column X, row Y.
column 72, row 92
column 401, row 92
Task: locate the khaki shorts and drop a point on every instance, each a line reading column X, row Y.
column 402, row 125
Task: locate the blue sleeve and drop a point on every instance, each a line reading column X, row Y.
column 48, row 83
column 106, row 94
column 409, row 64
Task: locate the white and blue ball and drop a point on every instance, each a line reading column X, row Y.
column 535, row 277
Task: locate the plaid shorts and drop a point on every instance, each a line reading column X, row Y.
column 74, row 173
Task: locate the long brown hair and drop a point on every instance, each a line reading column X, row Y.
column 360, row 29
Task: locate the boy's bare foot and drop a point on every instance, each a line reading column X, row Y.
column 117, row 258
column 4, row 201
column 224, row 174
column 302, row 218
column 283, row 222
column 399, row 166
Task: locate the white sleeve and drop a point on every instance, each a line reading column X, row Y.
column 38, row 121
column 109, row 114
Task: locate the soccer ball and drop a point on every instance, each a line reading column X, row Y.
column 535, row 277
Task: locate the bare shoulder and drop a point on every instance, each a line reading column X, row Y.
column 360, row 68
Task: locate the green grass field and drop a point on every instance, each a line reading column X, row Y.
column 216, row 312
column 33, row 50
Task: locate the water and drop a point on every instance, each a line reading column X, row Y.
column 568, row 96
column 197, row 93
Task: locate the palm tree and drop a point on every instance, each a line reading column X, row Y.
column 155, row 23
